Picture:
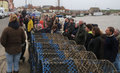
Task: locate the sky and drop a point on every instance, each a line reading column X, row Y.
column 73, row 4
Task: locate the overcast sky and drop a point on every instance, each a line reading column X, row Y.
column 74, row 4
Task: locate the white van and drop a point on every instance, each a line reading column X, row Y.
column 2, row 12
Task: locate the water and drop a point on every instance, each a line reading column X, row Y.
column 102, row 21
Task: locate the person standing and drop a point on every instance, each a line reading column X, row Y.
column 24, row 13
column 66, row 23
column 49, row 22
column 88, row 28
column 29, row 28
column 117, row 35
column 80, row 37
column 57, row 22
column 70, row 29
column 111, row 45
column 12, row 39
column 75, row 31
column 117, row 61
column 96, row 42
column 26, row 22
column 21, row 21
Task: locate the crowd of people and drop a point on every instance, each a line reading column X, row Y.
column 104, row 45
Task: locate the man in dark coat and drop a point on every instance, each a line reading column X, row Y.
column 75, row 31
column 111, row 45
column 66, row 24
column 24, row 13
column 80, row 37
column 70, row 29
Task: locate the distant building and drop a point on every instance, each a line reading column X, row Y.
column 94, row 9
column 57, row 9
column 53, row 9
column 46, row 7
column 11, row 5
column 4, row 4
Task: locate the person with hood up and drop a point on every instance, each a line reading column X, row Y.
column 13, row 38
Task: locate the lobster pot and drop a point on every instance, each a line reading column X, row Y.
column 106, row 66
column 87, row 55
column 39, row 40
column 46, row 46
column 54, row 36
column 68, row 42
column 71, row 48
column 66, row 38
column 49, row 55
column 71, row 42
column 59, row 40
column 32, row 64
column 39, row 35
column 67, row 45
column 79, row 47
column 86, row 66
column 43, row 56
column 44, row 52
column 59, row 66
column 81, row 55
column 46, row 56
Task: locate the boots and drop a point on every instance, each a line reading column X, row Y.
column 15, row 71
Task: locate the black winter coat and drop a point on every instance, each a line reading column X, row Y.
column 80, row 37
column 110, row 48
column 88, row 39
column 95, row 46
column 70, row 29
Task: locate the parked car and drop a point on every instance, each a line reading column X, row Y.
column 2, row 11
column 60, row 16
column 1, row 15
column 6, row 14
column 68, row 16
column 37, row 14
column 97, row 14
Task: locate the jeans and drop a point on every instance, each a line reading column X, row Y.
column 13, row 62
column 117, row 62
